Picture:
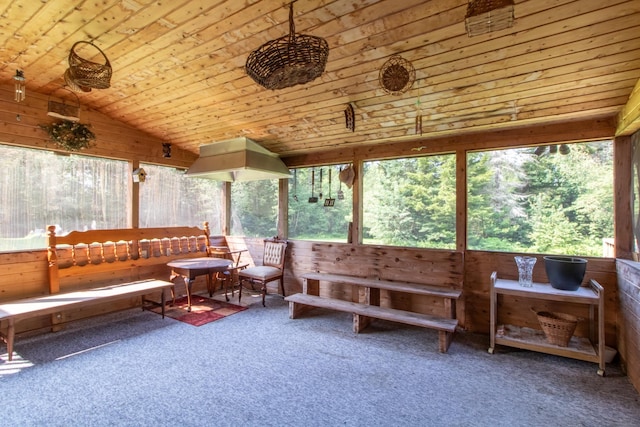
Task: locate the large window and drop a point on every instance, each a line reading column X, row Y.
column 552, row 199
column 320, row 205
column 254, row 208
column 169, row 199
column 410, row 202
column 39, row 188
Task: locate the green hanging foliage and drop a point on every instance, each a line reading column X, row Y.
column 72, row 136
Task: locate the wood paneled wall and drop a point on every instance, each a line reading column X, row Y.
column 629, row 318
column 113, row 139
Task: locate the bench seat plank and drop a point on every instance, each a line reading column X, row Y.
column 446, row 327
column 49, row 304
column 414, row 288
column 15, row 311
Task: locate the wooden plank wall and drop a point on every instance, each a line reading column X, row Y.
column 426, row 266
column 629, row 318
column 113, row 139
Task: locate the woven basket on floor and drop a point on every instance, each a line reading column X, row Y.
column 557, row 327
column 88, row 74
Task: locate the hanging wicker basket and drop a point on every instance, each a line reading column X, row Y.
column 89, row 74
column 484, row 16
column 68, row 81
column 557, row 327
column 288, row 61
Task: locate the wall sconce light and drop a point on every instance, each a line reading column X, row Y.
column 21, row 90
column 166, row 150
column 139, row 175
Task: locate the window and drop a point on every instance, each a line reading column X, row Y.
column 320, row 205
column 541, row 201
column 169, row 199
column 254, row 208
column 39, row 188
column 410, row 202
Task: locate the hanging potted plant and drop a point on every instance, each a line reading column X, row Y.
column 72, row 136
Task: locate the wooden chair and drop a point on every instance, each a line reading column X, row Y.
column 272, row 268
column 228, row 278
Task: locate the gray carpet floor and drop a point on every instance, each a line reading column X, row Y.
column 260, row 368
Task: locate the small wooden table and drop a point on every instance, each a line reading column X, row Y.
column 590, row 349
column 190, row 268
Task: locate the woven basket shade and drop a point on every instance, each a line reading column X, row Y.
column 397, row 75
column 88, row 74
column 288, row 61
column 484, row 16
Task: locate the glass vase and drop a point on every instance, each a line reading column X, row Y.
column 525, row 270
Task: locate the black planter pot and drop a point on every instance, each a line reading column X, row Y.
column 565, row 273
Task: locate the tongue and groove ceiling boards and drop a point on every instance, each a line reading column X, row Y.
column 179, row 66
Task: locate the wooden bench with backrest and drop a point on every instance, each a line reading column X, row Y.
column 437, row 279
column 108, row 270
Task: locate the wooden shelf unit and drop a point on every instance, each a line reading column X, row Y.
column 590, row 349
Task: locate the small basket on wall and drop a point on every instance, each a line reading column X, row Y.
column 71, row 136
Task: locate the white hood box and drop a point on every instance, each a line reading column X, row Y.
column 239, row 159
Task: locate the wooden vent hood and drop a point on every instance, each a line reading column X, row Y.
column 239, row 159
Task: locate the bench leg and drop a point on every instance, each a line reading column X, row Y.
column 11, row 333
column 444, row 341
column 360, row 322
column 296, row 309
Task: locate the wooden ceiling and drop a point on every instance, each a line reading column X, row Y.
column 178, row 66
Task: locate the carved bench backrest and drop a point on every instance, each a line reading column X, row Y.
column 113, row 246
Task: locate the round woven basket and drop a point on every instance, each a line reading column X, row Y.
column 397, row 75
column 557, row 327
column 87, row 73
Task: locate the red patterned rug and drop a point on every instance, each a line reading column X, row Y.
column 203, row 310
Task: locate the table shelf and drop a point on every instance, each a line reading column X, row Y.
column 590, row 349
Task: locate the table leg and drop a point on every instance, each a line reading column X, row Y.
column 188, row 282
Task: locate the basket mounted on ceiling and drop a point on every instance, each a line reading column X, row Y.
column 397, row 75
column 288, row 61
column 485, row 16
column 86, row 74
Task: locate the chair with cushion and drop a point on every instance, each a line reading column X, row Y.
column 272, row 268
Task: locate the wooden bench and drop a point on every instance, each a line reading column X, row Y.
column 105, row 270
column 28, row 308
column 368, row 308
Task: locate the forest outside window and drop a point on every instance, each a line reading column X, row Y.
column 410, row 202
column 254, row 208
column 549, row 199
column 320, row 205
column 40, row 188
column 168, row 198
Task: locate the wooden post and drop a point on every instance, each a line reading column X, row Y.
column 623, row 193
column 283, row 208
column 225, row 221
column 134, row 216
column 52, row 259
column 461, row 200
